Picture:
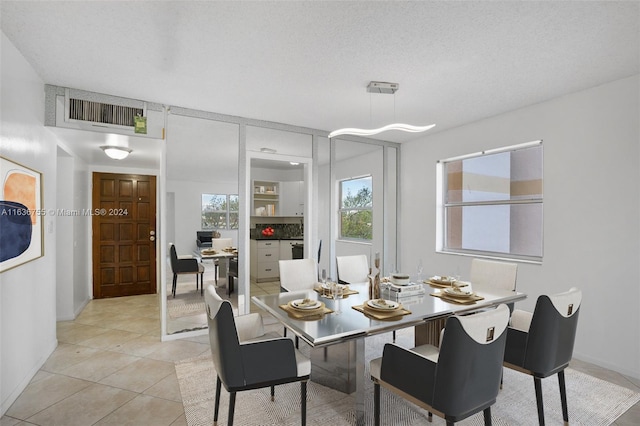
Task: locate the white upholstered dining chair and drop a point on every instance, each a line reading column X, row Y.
column 352, row 269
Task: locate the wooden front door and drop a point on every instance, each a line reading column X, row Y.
column 124, row 225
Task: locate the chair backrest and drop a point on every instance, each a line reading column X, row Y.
column 204, row 236
column 470, row 362
column 489, row 273
column 298, row 274
column 174, row 258
column 552, row 332
column 353, row 269
column 223, row 338
column 220, row 244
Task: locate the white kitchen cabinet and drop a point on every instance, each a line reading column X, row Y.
column 292, row 198
column 264, row 260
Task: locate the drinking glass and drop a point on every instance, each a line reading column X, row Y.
column 338, row 294
column 419, row 270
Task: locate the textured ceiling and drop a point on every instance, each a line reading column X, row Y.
column 308, row 63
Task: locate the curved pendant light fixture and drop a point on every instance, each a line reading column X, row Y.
column 369, row 132
column 387, row 88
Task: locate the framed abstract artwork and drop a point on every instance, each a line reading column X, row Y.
column 21, row 215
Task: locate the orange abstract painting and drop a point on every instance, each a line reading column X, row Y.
column 21, row 188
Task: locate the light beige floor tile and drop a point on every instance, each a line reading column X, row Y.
column 142, row 346
column 140, row 325
column 44, row 393
column 181, row 421
column 78, row 333
column 67, row 355
column 110, row 339
column 84, row 408
column 177, row 350
column 167, row 388
column 40, row 375
column 10, row 421
column 140, row 375
column 144, row 410
column 99, row 366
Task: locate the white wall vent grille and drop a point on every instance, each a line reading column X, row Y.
column 98, row 112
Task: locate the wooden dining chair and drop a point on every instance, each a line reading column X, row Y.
column 244, row 362
column 540, row 344
column 459, row 379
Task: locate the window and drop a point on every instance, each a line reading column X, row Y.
column 356, row 208
column 492, row 203
column 220, row 211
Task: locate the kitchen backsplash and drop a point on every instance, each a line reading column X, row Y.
column 282, row 230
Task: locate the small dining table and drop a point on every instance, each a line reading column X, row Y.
column 225, row 256
column 337, row 339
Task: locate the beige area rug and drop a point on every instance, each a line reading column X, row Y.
column 591, row 401
column 186, row 303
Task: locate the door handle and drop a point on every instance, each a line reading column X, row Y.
column 152, row 238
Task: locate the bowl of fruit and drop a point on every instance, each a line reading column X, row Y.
column 268, row 232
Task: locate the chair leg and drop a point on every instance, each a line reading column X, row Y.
column 538, row 385
column 303, row 402
column 215, row 273
column 297, row 342
column 232, row 407
column 376, row 404
column 394, row 336
column 216, row 409
column 273, row 393
column 173, row 288
column 202, row 284
column 487, row 416
column 430, row 417
column 563, row 397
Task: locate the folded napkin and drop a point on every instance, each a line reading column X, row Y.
column 461, row 300
column 307, row 314
column 395, row 314
column 445, row 284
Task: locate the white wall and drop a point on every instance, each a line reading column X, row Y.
column 188, row 210
column 27, row 292
column 64, row 240
column 591, row 209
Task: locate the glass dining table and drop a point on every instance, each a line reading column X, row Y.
column 338, row 339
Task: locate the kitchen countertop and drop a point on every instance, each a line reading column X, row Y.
column 278, row 238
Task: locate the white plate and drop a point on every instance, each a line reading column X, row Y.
column 441, row 280
column 313, row 304
column 459, row 292
column 389, row 305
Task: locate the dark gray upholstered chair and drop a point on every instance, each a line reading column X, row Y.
column 541, row 343
column 460, row 379
column 181, row 266
column 203, row 239
column 232, row 274
column 243, row 364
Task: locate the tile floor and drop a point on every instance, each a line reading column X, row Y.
column 110, row 368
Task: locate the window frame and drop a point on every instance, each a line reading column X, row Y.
column 443, row 205
column 227, row 212
column 342, row 210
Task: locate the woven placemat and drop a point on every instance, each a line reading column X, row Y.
column 309, row 314
column 396, row 314
column 459, row 300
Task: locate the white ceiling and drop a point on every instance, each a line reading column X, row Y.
column 308, row 63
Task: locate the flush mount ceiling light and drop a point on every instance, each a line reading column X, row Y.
column 385, row 88
column 116, row 152
column 268, row 150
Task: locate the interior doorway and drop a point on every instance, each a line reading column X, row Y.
column 124, row 235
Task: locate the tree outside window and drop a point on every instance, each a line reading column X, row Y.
column 356, row 208
column 220, row 211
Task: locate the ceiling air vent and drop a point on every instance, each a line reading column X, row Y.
column 97, row 112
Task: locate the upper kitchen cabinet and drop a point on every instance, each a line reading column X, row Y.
column 266, row 198
column 292, row 198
